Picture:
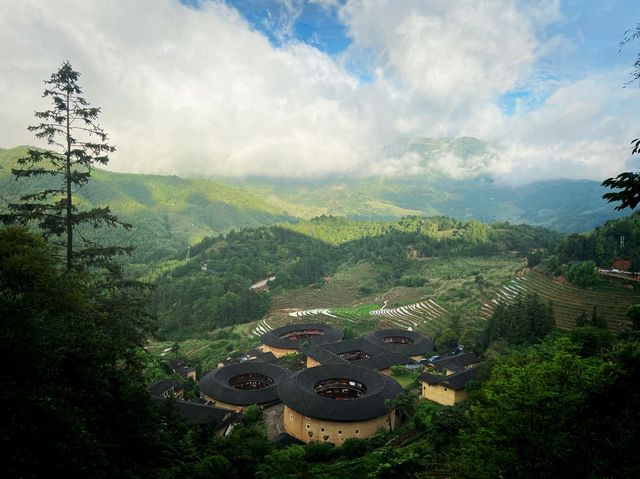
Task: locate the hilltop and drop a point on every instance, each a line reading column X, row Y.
column 167, row 212
column 448, row 177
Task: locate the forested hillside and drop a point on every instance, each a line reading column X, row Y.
column 449, row 180
column 190, row 299
column 168, row 213
column 615, row 239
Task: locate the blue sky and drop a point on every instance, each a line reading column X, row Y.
column 591, row 31
column 324, row 87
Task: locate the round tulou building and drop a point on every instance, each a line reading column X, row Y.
column 237, row 386
column 293, row 337
column 409, row 343
column 336, row 402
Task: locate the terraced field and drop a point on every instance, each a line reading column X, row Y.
column 412, row 315
column 452, row 284
column 339, row 290
column 276, row 321
column 568, row 301
column 426, row 315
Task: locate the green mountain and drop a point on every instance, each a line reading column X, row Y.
column 167, row 212
column 458, row 191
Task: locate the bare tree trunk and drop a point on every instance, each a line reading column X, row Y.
column 68, row 181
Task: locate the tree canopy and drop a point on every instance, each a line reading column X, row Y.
column 77, row 144
column 628, row 182
column 74, row 402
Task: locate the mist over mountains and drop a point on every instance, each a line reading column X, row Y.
column 441, row 177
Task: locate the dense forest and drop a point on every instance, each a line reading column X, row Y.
column 615, row 239
column 189, row 298
column 547, row 402
column 78, row 323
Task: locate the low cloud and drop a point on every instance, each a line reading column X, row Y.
column 200, row 92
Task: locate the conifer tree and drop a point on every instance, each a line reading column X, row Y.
column 77, row 145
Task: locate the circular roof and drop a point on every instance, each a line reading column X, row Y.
column 217, row 384
column 299, row 392
column 392, row 340
column 286, row 337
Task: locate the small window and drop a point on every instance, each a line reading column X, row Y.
column 445, row 389
column 322, row 429
column 339, row 432
column 308, row 427
column 357, row 431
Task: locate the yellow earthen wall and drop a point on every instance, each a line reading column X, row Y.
column 311, row 363
column 442, row 395
column 277, row 352
column 309, row 429
column 223, row 405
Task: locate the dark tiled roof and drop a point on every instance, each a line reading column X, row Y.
column 420, row 345
column 385, row 361
column 323, row 356
column 197, row 413
column 380, row 358
column 267, row 357
column 297, row 391
column 272, row 338
column 162, row 386
column 178, row 366
column 456, row 381
column 215, row 384
column 456, row 362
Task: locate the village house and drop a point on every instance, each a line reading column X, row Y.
column 336, row 402
column 236, row 386
column 166, row 388
column 293, row 337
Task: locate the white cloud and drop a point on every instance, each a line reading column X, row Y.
column 583, row 130
column 198, row 91
column 184, row 90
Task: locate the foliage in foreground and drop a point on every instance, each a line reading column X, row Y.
column 73, row 399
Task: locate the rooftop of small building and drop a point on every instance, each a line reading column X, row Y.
column 455, row 361
column 161, row 386
column 180, row 367
column 457, row 381
column 197, row 413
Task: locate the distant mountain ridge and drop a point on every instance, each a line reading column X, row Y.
column 563, row 205
column 448, row 177
column 169, row 212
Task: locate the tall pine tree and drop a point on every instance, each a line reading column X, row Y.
column 77, row 145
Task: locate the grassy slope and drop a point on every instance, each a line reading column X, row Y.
column 569, row 301
column 452, row 282
column 564, row 205
column 167, row 212
column 460, row 285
